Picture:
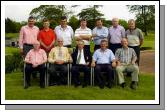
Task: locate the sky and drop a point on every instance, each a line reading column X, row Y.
column 21, row 12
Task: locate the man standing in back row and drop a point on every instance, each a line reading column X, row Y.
column 116, row 33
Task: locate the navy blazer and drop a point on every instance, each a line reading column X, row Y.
column 87, row 56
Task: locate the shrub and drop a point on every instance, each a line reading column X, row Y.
column 13, row 62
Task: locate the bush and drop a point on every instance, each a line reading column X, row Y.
column 13, row 62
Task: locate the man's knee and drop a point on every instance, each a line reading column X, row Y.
column 119, row 69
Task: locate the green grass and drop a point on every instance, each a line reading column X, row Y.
column 14, row 90
column 12, row 35
column 149, row 41
column 10, row 50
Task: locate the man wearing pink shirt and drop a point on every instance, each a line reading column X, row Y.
column 28, row 35
column 35, row 61
column 116, row 33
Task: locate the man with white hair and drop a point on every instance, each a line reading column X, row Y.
column 58, row 59
column 116, row 33
column 35, row 61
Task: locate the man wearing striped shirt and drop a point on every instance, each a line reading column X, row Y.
column 126, row 58
column 84, row 33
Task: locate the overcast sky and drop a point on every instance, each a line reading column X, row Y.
column 21, row 12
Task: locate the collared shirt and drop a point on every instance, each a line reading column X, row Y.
column 36, row 56
column 67, row 34
column 102, row 33
column 54, row 54
column 28, row 35
column 125, row 56
column 116, row 34
column 47, row 37
column 134, row 37
column 82, row 61
column 86, row 31
column 103, row 57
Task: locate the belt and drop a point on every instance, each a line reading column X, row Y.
column 28, row 44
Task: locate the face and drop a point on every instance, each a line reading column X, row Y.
column 124, row 42
column 103, row 45
column 131, row 25
column 99, row 23
column 36, row 46
column 83, row 24
column 46, row 24
column 31, row 22
column 115, row 22
column 80, row 45
column 60, row 43
column 64, row 22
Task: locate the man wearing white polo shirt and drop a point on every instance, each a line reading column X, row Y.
column 84, row 33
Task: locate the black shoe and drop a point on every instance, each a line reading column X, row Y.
column 26, row 87
column 133, row 85
column 109, row 85
column 123, row 85
column 101, row 86
column 84, row 85
column 76, row 85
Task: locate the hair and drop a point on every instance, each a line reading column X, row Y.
column 104, row 40
column 60, row 39
column 99, row 19
column 31, row 17
column 45, row 20
column 115, row 19
column 83, row 19
column 37, row 42
column 131, row 20
column 81, row 41
column 63, row 17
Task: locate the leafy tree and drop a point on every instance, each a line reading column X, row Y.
column 123, row 23
column 145, row 15
column 74, row 22
column 11, row 26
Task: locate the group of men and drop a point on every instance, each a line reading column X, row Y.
column 114, row 48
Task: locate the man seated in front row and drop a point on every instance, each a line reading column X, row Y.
column 58, row 59
column 104, row 59
column 81, row 62
column 35, row 61
column 126, row 58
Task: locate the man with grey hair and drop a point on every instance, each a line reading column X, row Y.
column 135, row 38
column 81, row 62
column 116, row 33
column 126, row 58
column 58, row 59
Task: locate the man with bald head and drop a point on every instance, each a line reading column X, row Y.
column 58, row 59
column 35, row 61
column 116, row 33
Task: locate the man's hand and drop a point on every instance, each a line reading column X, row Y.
column 114, row 64
column 93, row 64
column 133, row 63
column 34, row 65
column 118, row 63
column 94, row 35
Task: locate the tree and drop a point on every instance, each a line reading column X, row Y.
column 74, row 22
column 11, row 26
column 90, row 14
column 51, row 12
column 123, row 23
column 145, row 15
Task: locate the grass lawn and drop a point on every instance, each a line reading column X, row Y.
column 12, row 35
column 10, row 50
column 149, row 41
column 14, row 90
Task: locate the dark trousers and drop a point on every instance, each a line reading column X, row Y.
column 96, row 47
column 27, row 48
column 29, row 69
column 114, row 47
column 58, row 73
column 80, row 68
column 137, row 51
column 103, row 68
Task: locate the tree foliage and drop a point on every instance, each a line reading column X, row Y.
column 145, row 15
column 11, row 26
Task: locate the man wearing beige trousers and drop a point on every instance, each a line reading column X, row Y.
column 126, row 58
